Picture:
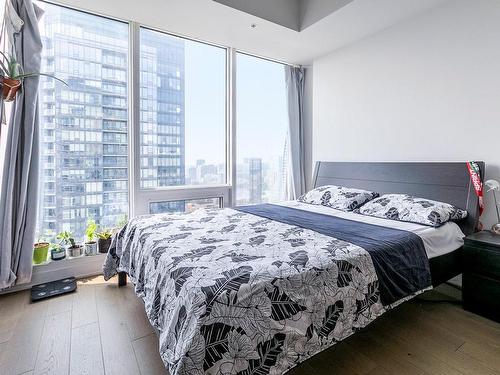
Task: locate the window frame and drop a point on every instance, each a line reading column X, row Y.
column 219, row 199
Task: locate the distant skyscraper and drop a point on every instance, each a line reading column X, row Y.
column 250, row 181
column 255, row 180
column 284, row 172
column 162, row 110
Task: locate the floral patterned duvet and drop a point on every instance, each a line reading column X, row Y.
column 235, row 293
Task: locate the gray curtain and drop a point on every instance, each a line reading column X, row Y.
column 19, row 184
column 295, row 87
column 2, row 113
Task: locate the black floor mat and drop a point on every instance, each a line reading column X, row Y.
column 54, row 288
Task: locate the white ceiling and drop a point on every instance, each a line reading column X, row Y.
column 282, row 12
column 210, row 21
column 294, row 14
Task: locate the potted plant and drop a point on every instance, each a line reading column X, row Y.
column 40, row 252
column 91, row 244
column 104, row 240
column 73, row 249
column 12, row 76
column 57, row 252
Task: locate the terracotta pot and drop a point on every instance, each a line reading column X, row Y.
column 10, row 88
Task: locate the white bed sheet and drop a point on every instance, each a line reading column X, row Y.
column 437, row 241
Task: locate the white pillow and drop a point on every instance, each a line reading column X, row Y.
column 404, row 207
column 339, row 197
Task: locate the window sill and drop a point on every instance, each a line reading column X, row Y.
column 185, row 187
column 84, row 266
column 57, row 264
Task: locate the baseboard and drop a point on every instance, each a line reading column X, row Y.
column 78, row 267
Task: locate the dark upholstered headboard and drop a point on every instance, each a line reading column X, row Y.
column 445, row 182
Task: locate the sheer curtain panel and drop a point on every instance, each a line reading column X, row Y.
column 295, row 89
column 19, row 184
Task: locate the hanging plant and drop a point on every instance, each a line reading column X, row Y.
column 12, row 76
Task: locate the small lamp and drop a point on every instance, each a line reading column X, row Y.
column 494, row 186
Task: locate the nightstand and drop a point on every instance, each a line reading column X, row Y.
column 481, row 276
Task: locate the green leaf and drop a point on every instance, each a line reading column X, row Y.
column 91, row 230
column 4, row 69
column 26, row 75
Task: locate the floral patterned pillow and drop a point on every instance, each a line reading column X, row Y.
column 403, row 207
column 341, row 198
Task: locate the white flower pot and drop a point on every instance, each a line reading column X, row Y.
column 90, row 248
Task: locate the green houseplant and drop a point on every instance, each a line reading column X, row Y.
column 40, row 252
column 12, row 76
column 72, row 248
column 90, row 233
column 104, row 240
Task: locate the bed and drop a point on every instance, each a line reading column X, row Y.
column 260, row 289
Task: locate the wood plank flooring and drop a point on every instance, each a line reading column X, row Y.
column 102, row 329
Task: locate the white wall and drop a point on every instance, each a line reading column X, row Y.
column 427, row 89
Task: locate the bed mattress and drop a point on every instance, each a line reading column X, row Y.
column 437, row 241
column 248, row 291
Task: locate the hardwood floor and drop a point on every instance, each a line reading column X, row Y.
column 102, row 329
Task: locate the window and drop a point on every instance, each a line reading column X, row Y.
column 182, row 148
column 189, row 205
column 262, row 125
column 84, row 156
column 182, row 112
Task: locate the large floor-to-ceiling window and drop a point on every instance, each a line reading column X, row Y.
column 261, row 129
column 183, row 109
column 84, row 125
column 147, row 124
column 182, row 119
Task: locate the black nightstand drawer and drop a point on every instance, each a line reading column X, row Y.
column 481, row 295
column 483, row 260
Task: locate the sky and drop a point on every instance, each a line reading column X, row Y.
column 261, row 105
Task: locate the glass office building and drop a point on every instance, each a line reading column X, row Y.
column 84, row 126
column 162, row 146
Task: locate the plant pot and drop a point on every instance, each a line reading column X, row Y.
column 75, row 251
column 104, row 245
column 10, row 88
column 40, row 252
column 496, row 228
column 90, row 248
column 57, row 254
